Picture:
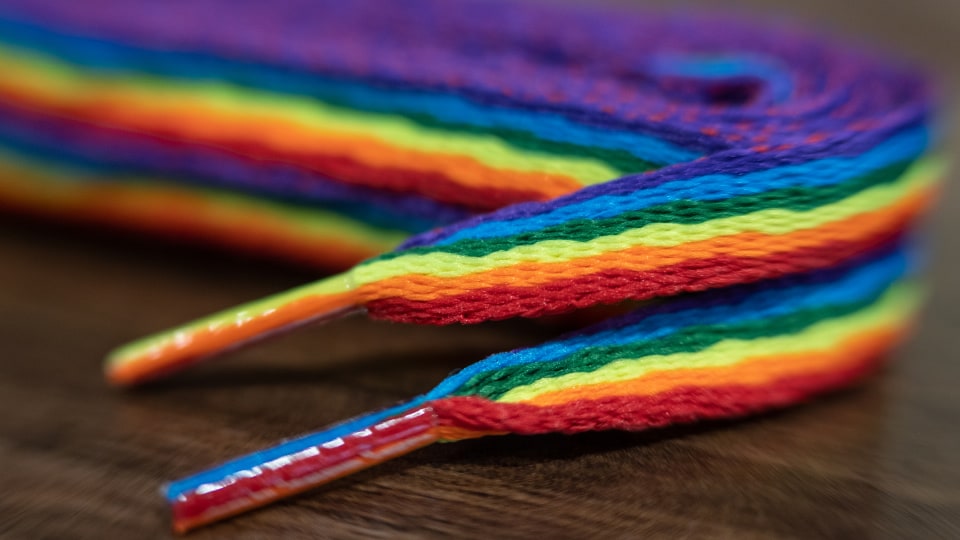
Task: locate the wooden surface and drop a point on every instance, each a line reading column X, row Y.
column 80, row 460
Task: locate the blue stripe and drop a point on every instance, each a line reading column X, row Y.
column 70, row 165
column 901, row 147
column 864, row 282
column 117, row 57
column 249, row 462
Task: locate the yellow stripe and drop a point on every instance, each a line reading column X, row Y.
column 774, row 221
column 52, row 189
column 896, row 304
column 39, row 76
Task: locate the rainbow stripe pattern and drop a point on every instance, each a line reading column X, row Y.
column 716, row 354
column 753, row 189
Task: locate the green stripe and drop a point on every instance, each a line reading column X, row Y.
column 308, row 219
column 67, row 81
column 620, row 160
column 681, row 212
column 494, row 384
column 770, row 222
column 893, row 309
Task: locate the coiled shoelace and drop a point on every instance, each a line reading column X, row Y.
column 757, row 185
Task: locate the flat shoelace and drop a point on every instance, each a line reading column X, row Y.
column 755, row 187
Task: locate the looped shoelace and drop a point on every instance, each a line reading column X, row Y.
column 752, row 186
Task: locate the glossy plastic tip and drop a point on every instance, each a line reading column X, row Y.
column 170, row 351
column 300, row 464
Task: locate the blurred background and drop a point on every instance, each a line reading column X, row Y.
column 81, row 460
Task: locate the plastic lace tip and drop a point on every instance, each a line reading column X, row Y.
column 300, row 464
column 168, row 352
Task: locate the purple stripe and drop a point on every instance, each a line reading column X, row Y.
column 210, row 166
column 598, row 68
column 733, row 162
column 594, row 65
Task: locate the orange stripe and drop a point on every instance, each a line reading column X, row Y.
column 755, row 371
column 204, row 342
column 283, row 490
column 181, row 212
column 168, row 211
column 198, row 122
column 644, row 258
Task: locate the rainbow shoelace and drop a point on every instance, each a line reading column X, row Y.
column 747, row 191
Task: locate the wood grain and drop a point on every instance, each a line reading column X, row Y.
column 81, row 460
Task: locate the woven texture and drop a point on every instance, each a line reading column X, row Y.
column 755, row 187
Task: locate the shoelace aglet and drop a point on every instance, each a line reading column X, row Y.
column 170, row 351
column 309, row 461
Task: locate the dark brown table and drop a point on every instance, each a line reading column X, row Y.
column 81, row 460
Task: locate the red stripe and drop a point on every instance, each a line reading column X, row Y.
column 633, row 413
column 431, row 184
column 252, row 243
column 612, row 286
column 341, row 456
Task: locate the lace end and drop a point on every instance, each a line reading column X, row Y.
column 300, row 464
column 168, row 352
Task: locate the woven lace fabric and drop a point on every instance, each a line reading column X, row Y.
column 755, row 187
